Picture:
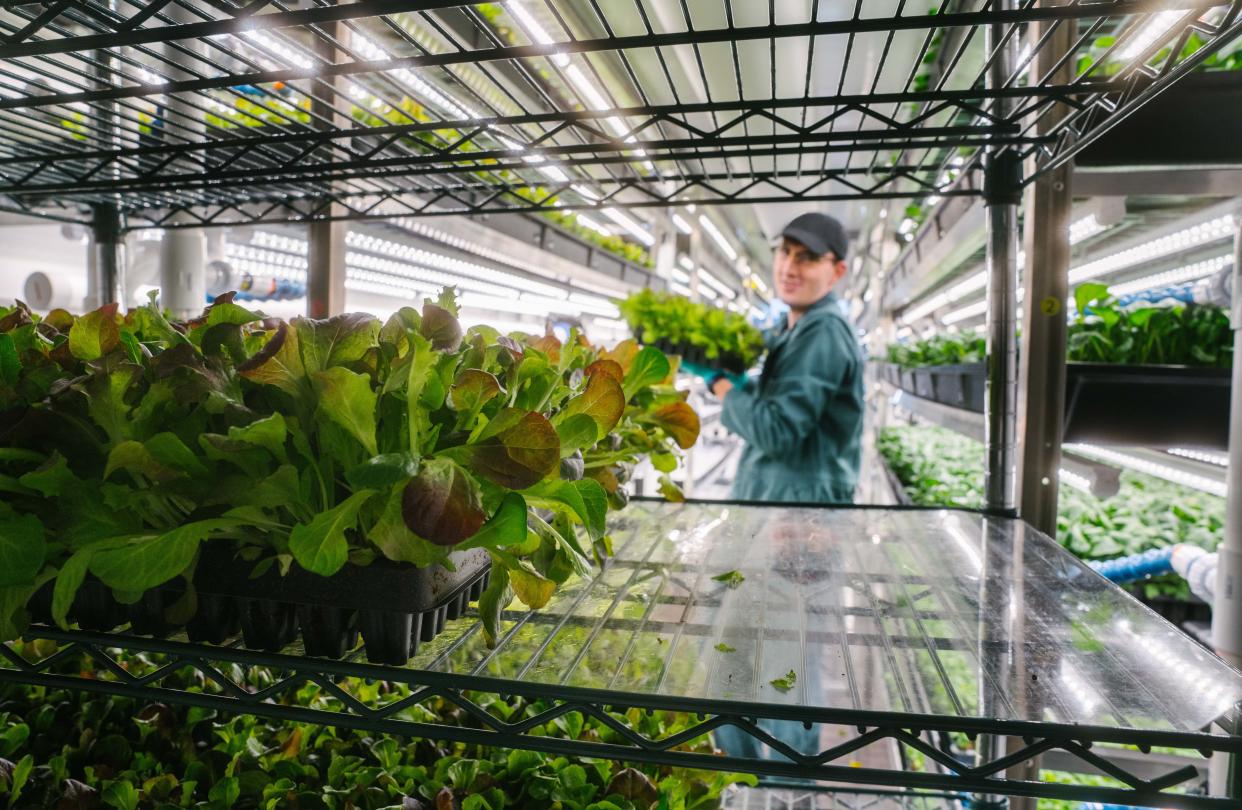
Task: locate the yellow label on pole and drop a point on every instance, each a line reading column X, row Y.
column 1050, row 305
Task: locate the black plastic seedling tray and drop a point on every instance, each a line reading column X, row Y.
column 1138, row 406
column 695, row 354
column 394, row 607
column 1147, row 406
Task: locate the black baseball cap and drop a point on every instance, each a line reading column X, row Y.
column 820, row 233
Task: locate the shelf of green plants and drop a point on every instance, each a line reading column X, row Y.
column 1160, row 361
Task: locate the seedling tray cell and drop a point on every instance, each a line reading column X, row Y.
column 393, row 607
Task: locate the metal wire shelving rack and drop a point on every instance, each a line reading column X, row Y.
column 913, row 631
column 192, row 113
column 186, row 112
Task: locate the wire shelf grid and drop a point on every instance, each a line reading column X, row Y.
column 194, row 112
column 905, row 630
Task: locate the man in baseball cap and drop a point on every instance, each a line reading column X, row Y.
column 802, row 418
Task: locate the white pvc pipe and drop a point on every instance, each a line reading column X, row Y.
column 1227, row 611
column 1198, row 568
column 183, row 272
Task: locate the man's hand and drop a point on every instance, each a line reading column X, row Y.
column 722, row 387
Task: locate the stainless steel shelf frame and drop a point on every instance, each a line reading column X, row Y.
column 187, row 113
column 902, row 627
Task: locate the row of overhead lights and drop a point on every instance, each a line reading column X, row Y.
column 1119, row 459
column 1080, row 230
column 386, row 267
column 1203, row 233
column 370, row 50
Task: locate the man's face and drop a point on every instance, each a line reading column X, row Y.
column 801, row 277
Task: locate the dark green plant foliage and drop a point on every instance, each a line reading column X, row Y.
column 938, row 467
column 655, row 316
column 126, row 442
column 939, row 350
column 1101, row 332
column 1181, row 335
column 71, row 749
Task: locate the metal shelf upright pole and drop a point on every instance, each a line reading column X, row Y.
column 108, row 254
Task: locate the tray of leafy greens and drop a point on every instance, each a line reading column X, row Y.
column 339, row 477
column 703, row 335
column 1160, row 361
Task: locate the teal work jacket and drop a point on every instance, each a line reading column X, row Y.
column 802, row 419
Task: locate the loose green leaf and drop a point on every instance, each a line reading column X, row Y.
column 533, row 589
column 10, row 364
column 577, row 432
column 170, row 452
column 95, row 334
column 336, row 341
column 786, row 683
column 725, row 648
column 670, row 490
column 650, row 368
column 494, row 599
column 150, row 561
column 603, row 400
column 507, row 527
column 679, row 421
column 226, row 312
column 383, row 471
column 585, row 498
column 321, row 546
column 22, row 548
column 346, row 398
column 730, row 578
column 52, row 478
column 278, row 363
column 1086, row 294
column 68, row 580
column 269, row 433
column 134, row 457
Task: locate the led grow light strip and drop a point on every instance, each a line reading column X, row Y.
column 1074, row 480
column 1081, row 230
column 719, row 285
column 442, row 262
column 1168, row 278
column 1218, row 459
column 718, row 237
column 1205, row 232
column 630, row 225
column 587, row 222
column 1171, row 474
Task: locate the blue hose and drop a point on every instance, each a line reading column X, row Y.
column 1136, row 567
